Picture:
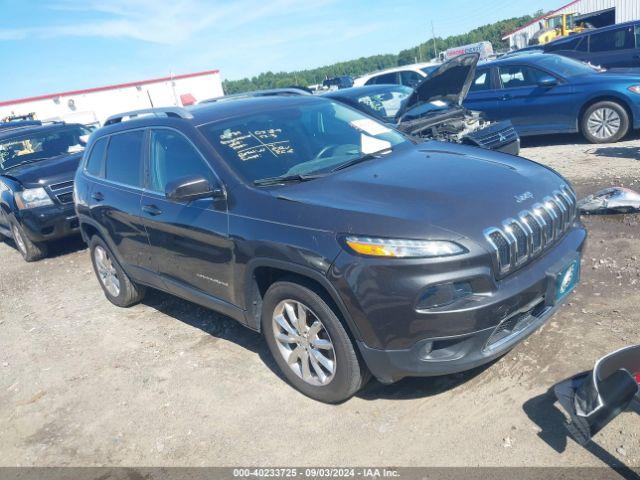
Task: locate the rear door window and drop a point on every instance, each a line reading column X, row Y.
column 124, row 158
column 637, row 35
column 619, row 39
column 95, row 162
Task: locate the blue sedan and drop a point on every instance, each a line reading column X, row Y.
column 546, row 93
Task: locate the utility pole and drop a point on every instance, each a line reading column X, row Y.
column 433, row 36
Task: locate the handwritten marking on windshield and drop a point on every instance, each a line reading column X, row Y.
column 241, row 143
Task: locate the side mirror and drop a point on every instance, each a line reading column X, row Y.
column 192, row 187
column 548, row 81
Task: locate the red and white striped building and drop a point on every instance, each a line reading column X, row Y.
column 92, row 106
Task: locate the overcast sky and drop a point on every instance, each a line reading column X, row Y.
column 48, row 46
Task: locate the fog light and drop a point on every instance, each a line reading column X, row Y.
column 444, row 294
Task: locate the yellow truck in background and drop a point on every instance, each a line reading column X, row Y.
column 557, row 26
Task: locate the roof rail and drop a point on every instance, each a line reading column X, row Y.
column 270, row 92
column 175, row 112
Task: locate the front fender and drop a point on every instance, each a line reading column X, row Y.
column 299, row 270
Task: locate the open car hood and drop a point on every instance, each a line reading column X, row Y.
column 446, row 87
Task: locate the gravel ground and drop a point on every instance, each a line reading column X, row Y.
column 166, row 382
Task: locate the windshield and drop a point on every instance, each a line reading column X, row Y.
column 567, row 67
column 36, row 146
column 382, row 103
column 298, row 139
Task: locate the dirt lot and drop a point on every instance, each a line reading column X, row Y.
column 169, row 383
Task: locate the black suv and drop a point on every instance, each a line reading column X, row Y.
column 37, row 166
column 350, row 247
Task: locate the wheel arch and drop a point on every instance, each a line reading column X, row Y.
column 262, row 273
column 608, row 97
column 89, row 228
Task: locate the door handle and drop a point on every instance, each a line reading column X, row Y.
column 151, row 210
column 97, row 196
column 506, row 97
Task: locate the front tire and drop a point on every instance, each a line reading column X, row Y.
column 30, row 251
column 116, row 284
column 310, row 344
column 605, row 122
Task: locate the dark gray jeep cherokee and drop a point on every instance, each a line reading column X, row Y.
column 351, row 248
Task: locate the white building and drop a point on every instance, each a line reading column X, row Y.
column 93, row 105
column 597, row 12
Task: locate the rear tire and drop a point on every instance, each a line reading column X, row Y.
column 30, row 251
column 116, row 284
column 313, row 335
column 604, row 122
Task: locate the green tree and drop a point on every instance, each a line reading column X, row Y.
column 425, row 51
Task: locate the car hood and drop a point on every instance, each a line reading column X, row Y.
column 46, row 172
column 424, row 191
column 623, row 71
column 631, row 75
column 447, row 86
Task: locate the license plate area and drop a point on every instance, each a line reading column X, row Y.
column 562, row 279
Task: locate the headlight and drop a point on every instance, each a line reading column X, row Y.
column 635, row 89
column 395, row 248
column 33, row 197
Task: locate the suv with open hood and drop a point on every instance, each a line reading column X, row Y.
column 433, row 109
column 352, row 248
column 37, row 165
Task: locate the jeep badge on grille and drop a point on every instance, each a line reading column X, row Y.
column 523, row 196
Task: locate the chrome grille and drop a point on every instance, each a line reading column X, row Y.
column 502, row 247
column 496, row 139
column 535, row 230
column 518, row 240
column 63, row 191
column 61, row 186
column 66, row 197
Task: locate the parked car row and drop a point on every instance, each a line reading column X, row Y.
column 37, row 165
column 408, row 75
column 434, row 109
column 548, row 94
column 540, row 94
column 362, row 232
column 355, row 249
column 615, row 46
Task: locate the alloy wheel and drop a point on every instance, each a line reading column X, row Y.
column 107, row 273
column 604, row 123
column 304, row 343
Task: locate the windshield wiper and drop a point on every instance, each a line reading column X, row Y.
column 364, row 158
column 35, row 160
column 26, row 162
column 285, row 179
